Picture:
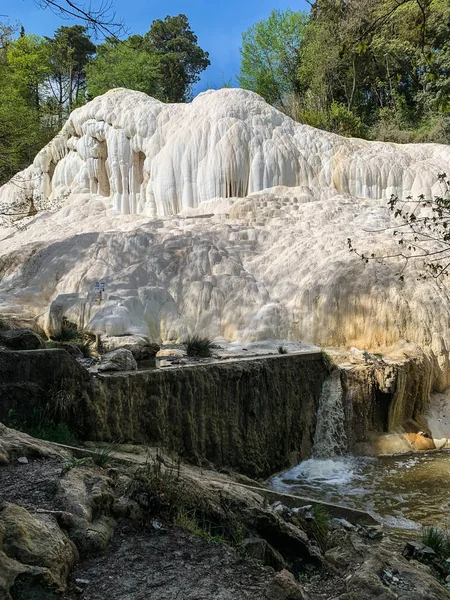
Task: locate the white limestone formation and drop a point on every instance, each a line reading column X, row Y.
column 221, row 217
column 157, row 159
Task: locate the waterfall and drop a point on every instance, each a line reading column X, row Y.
column 330, row 438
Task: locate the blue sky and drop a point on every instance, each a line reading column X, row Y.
column 218, row 24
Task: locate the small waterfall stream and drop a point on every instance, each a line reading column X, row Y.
column 403, row 492
column 330, row 438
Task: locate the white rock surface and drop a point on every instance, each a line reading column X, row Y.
column 225, row 218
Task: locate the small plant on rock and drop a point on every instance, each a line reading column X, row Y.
column 104, row 454
column 437, row 539
column 200, row 347
column 282, row 350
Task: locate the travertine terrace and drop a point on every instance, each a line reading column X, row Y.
column 222, row 217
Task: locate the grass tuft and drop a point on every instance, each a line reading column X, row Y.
column 200, row 347
column 437, row 539
column 104, row 454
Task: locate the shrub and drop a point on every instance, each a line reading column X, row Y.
column 67, row 334
column 104, row 454
column 200, row 347
column 282, row 350
column 437, row 539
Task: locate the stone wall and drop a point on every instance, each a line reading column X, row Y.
column 257, row 416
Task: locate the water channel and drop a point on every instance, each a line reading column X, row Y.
column 403, row 492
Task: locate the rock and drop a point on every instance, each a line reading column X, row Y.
column 260, row 549
column 88, row 500
column 23, row 460
column 117, row 360
column 140, row 347
column 341, row 523
column 15, row 444
column 372, row 532
column 72, row 349
column 284, row 587
column 34, row 553
column 20, row 339
column 417, row 550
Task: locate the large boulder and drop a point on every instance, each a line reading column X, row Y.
column 118, row 360
column 284, row 587
column 20, row 339
column 140, row 346
column 35, row 555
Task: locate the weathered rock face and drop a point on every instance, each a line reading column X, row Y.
column 20, row 339
column 383, row 397
column 256, row 416
column 158, row 159
column 253, row 415
column 258, row 246
column 118, row 360
column 32, row 380
column 35, row 555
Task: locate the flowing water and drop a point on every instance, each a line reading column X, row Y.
column 403, row 492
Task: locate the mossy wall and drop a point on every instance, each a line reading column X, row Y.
column 256, row 416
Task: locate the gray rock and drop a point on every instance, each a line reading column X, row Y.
column 284, row 587
column 23, row 460
column 20, row 339
column 260, row 549
column 140, row 347
column 417, row 550
column 341, row 524
column 118, row 360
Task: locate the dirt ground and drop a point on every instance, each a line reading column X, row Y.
column 141, row 564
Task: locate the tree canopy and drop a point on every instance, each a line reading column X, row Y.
column 270, row 56
column 372, row 68
column 43, row 79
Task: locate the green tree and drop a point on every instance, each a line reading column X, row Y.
column 385, row 61
column 181, row 58
column 270, row 55
column 70, row 50
column 23, row 69
column 124, row 64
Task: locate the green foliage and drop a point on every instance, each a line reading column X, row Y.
column 270, row 56
column 82, row 344
column 104, row 454
column 375, row 69
column 165, row 63
column 70, row 50
column 181, row 58
column 74, row 463
column 199, row 347
column 43, row 427
column 127, row 65
column 162, row 485
column 437, row 539
column 22, row 74
column 318, row 528
column 187, row 520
